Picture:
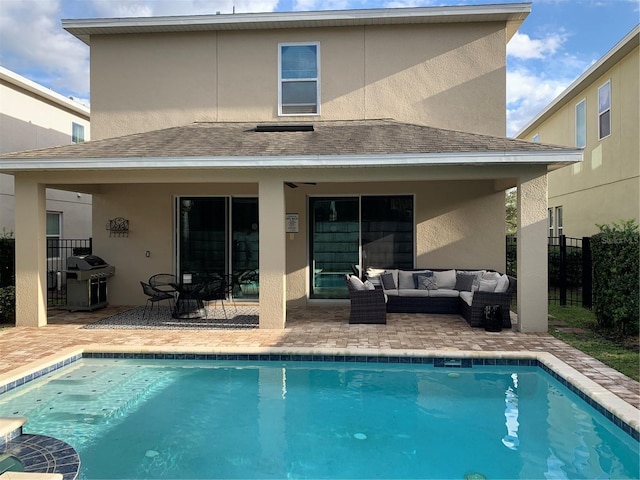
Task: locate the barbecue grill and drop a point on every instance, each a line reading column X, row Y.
column 87, row 282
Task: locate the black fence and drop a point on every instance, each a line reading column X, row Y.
column 58, row 251
column 570, row 269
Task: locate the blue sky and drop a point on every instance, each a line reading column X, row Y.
column 557, row 42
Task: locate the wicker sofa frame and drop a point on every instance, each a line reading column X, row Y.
column 370, row 306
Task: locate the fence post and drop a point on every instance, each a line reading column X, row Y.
column 587, row 273
column 563, row 270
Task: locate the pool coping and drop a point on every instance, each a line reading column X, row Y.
column 620, row 412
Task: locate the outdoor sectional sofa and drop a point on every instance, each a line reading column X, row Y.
column 462, row 292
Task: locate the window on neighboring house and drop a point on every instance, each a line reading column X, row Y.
column 581, row 124
column 299, row 79
column 604, row 111
column 550, row 210
column 77, row 132
column 536, row 138
column 559, row 226
column 54, row 229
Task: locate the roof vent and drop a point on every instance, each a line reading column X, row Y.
column 284, row 128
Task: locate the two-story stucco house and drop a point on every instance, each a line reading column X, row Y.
column 32, row 117
column 599, row 112
column 300, row 145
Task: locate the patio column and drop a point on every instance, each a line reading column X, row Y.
column 272, row 253
column 532, row 252
column 31, row 254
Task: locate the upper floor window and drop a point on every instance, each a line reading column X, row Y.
column 581, row 124
column 604, row 110
column 299, row 78
column 550, row 222
column 536, row 138
column 77, row 132
column 559, row 221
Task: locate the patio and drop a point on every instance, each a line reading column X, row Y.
column 314, row 327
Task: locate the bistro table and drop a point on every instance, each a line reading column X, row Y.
column 189, row 304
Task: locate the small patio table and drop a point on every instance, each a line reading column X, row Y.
column 189, row 304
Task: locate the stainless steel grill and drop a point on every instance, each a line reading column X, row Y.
column 87, row 282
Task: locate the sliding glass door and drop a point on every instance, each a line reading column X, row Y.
column 350, row 234
column 207, row 227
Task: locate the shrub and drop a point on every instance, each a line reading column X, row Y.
column 7, row 260
column 8, row 305
column 616, row 285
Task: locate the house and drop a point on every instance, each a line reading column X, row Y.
column 305, row 144
column 33, row 117
column 600, row 113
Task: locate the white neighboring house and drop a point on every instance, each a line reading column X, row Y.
column 31, row 117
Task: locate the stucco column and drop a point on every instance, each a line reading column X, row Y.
column 532, row 252
column 31, row 255
column 272, row 254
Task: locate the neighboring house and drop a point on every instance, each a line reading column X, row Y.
column 305, row 144
column 599, row 112
column 32, row 117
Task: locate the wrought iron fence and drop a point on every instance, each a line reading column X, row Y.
column 58, row 251
column 569, row 268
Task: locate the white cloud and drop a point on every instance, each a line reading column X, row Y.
column 31, row 39
column 524, row 47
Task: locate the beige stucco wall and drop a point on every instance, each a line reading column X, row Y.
column 605, row 188
column 28, row 122
column 459, row 225
column 366, row 72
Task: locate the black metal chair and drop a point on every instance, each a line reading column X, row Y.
column 164, row 282
column 155, row 296
column 213, row 289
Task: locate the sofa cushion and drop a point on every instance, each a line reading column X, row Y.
column 368, row 285
column 427, row 282
column 388, row 283
column 491, row 276
column 488, row 285
column 503, row 284
column 424, row 273
column 444, row 292
column 373, row 275
column 356, row 283
column 405, row 280
column 446, row 279
column 467, row 297
column 412, row 292
column 464, row 282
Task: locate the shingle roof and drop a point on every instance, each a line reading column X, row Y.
column 329, row 138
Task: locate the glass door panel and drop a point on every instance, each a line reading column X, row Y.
column 244, row 255
column 335, row 236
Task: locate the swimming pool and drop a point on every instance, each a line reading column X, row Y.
column 141, row 418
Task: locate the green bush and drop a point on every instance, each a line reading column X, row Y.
column 7, row 260
column 573, row 265
column 616, row 283
column 8, row 305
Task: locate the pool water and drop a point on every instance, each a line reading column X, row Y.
column 235, row 419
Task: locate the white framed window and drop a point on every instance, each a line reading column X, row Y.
column 299, row 78
column 551, row 225
column 77, row 132
column 54, row 231
column 536, row 138
column 604, row 110
column 559, row 222
column 581, row 124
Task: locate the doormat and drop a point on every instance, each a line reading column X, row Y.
column 160, row 318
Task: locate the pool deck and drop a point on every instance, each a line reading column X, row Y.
column 314, row 328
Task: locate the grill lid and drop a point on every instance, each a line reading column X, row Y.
column 85, row 262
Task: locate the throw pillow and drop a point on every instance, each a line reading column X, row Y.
column 356, row 283
column 405, row 280
column 446, row 279
column 491, row 276
column 503, row 284
column 426, row 273
column 488, row 285
column 387, row 281
column 427, row 282
column 368, row 285
column 464, row 282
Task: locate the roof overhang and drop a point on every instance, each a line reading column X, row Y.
column 552, row 159
column 512, row 14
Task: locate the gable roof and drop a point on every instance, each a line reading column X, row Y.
column 367, row 143
column 512, row 14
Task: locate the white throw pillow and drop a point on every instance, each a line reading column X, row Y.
column 368, row 285
column 488, row 285
column 356, row 283
column 491, row 276
column 446, row 279
column 503, row 284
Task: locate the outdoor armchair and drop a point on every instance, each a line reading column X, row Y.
column 367, row 305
